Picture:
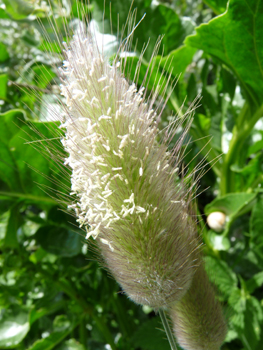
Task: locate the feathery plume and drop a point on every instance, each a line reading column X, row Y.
column 130, row 195
column 197, row 318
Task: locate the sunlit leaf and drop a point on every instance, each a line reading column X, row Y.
column 14, row 326
column 236, row 39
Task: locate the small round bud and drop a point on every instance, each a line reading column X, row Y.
column 216, row 221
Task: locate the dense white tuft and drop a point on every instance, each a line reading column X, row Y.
column 129, row 193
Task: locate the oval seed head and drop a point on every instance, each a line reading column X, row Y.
column 124, row 180
column 198, row 318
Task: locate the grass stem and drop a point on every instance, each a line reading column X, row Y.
column 167, row 329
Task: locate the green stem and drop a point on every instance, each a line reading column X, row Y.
column 241, row 131
column 167, row 329
column 27, row 196
column 204, row 233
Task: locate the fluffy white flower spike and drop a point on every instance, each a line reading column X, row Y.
column 130, row 196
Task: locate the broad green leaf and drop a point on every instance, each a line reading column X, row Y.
column 14, row 326
column 25, row 167
column 3, row 53
column 155, row 74
column 59, row 240
column 150, row 336
column 230, row 204
column 221, row 275
column 218, row 6
column 177, row 60
column 253, row 319
column 9, row 126
column 54, row 338
column 255, row 282
column 251, row 172
column 256, row 228
column 237, row 302
column 247, row 317
column 3, row 14
column 219, row 242
column 236, row 39
column 228, row 82
column 18, row 9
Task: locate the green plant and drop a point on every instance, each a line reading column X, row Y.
column 43, row 278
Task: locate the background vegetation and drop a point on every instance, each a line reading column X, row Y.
column 53, row 293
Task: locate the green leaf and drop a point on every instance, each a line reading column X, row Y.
column 256, row 221
column 27, row 167
column 218, row 6
column 236, row 39
column 221, row 275
column 191, row 87
column 255, row 282
column 46, row 310
column 14, row 222
column 42, row 256
column 230, row 204
column 3, row 86
column 9, row 126
column 3, row 14
column 43, row 76
column 154, row 74
column 14, row 326
column 71, row 344
column 251, row 172
column 18, row 9
column 237, row 302
column 255, row 147
column 160, row 19
column 3, row 53
column 151, row 336
column 219, row 242
column 54, row 338
column 228, row 82
column 59, row 240
column 253, row 319
column 177, row 60
column 256, row 225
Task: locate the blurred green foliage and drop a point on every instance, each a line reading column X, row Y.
column 54, row 295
